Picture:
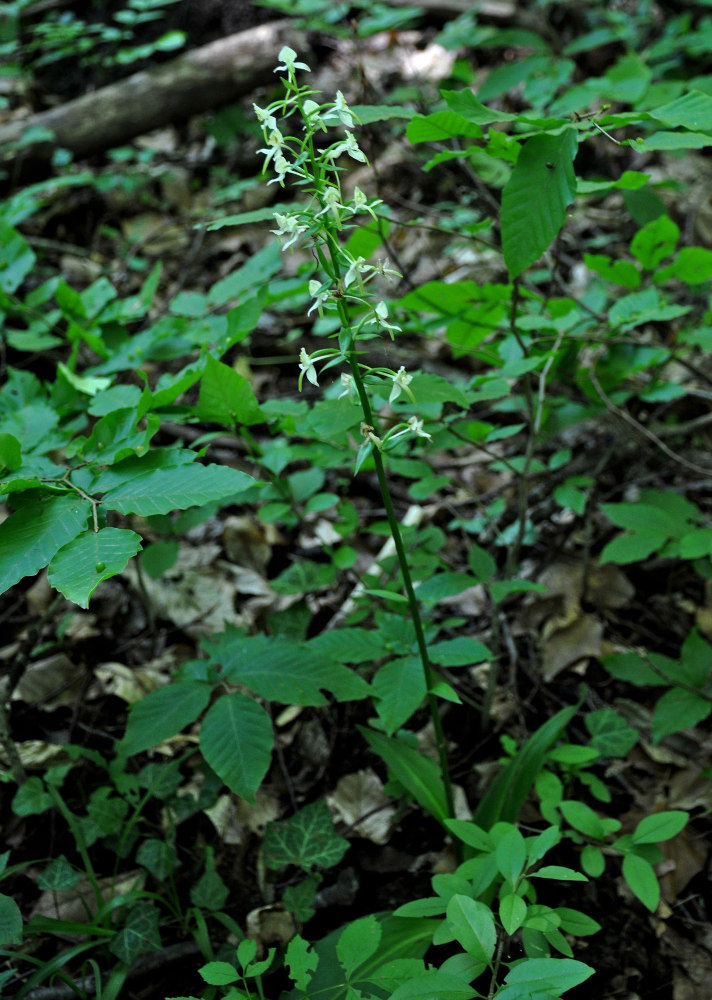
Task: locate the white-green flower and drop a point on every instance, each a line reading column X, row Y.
column 381, row 317
column 287, row 58
column 387, row 272
column 357, row 268
column 311, row 112
column 320, row 296
column 275, row 142
column 289, row 226
column 265, row 118
column 401, row 381
column 348, row 145
column 341, row 111
column 331, row 203
column 360, row 203
column 282, row 167
column 416, row 426
column 349, row 386
column 306, row 367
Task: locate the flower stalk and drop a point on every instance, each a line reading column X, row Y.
column 342, row 287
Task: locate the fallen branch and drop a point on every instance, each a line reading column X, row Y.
column 202, row 79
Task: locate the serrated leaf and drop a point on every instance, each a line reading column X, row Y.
column 166, row 490
column 693, row 111
column 30, row 537
column 302, row 961
column 307, row 839
column 80, row 566
column 536, row 196
column 283, row 671
column 226, row 397
column 236, row 740
column 163, row 713
column 400, row 688
column 441, row 125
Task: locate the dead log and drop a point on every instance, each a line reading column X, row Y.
column 197, row 81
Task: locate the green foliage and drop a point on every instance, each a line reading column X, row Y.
column 86, row 489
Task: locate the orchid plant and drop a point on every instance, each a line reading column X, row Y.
column 343, row 285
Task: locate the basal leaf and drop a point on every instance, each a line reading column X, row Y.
column 419, row 775
column 535, row 198
column 236, row 740
column 80, row 566
column 31, row 536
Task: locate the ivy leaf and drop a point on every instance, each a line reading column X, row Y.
column 307, row 839
column 140, row 934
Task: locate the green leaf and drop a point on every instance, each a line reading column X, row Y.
column 632, row 668
column 283, row 671
column 434, row 983
column 511, row 855
column 31, row 537
column 632, row 548
column 678, row 709
column 463, row 102
column 535, row 198
column 348, row 645
column 660, row 826
column 10, row 921
column 236, row 740
column 357, row 942
column 535, row 975
column 226, row 397
column 508, row 792
column 16, row 258
column 158, row 857
column 307, row 839
column 592, row 861
column 440, row 126
column 259, row 267
column 31, row 799
column 654, row 242
column 302, row 961
column 219, row 973
column 10, row 452
column 574, row 922
column 643, row 882
column 400, row 688
column 139, row 936
column 162, row 714
column 473, row 925
column 610, row 733
column 693, row 111
column 165, row 490
column 558, row 872
column 582, row 818
column 512, row 912
column 80, row 566
column 460, row 652
column 419, row 775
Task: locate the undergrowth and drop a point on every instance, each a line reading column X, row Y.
column 95, row 479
